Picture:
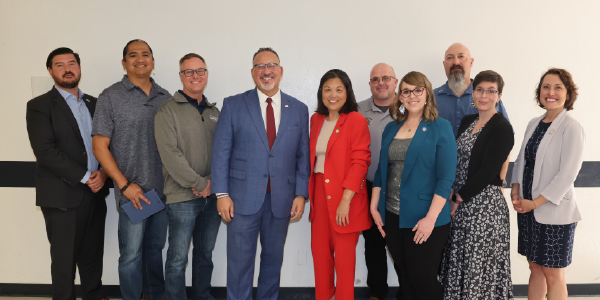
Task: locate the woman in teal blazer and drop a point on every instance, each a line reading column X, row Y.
column 417, row 167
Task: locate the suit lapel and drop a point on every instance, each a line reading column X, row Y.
column 64, row 107
column 414, row 148
column 316, row 126
column 284, row 118
column 541, row 152
column 91, row 105
column 256, row 115
column 336, row 131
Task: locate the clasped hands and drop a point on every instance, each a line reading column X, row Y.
column 225, row 208
column 96, row 180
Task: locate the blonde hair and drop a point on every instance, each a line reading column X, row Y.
column 430, row 112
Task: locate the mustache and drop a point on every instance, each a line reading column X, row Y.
column 68, row 73
column 457, row 67
column 272, row 76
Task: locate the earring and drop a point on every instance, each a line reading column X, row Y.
column 402, row 109
column 425, row 102
column 153, row 74
column 124, row 72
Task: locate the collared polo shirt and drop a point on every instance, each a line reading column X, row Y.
column 194, row 102
column 125, row 114
column 84, row 122
column 453, row 108
column 377, row 120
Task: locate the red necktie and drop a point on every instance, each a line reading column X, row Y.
column 271, row 133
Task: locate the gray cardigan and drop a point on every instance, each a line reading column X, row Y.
column 557, row 163
column 184, row 140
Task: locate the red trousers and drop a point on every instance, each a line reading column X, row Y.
column 331, row 250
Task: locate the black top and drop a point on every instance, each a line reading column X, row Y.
column 489, row 153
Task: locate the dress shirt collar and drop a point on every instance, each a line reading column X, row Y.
column 372, row 107
column 262, row 98
column 66, row 95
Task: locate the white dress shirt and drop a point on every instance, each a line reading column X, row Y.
column 276, row 103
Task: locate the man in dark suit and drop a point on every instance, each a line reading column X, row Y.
column 69, row 186
column 260, row 170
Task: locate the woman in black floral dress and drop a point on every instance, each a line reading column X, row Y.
column 543, row 190
column 476, row 262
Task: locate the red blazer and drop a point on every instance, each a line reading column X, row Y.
column 346, row 163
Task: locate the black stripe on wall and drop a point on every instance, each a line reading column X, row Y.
column 22, row 174
column 113, row 291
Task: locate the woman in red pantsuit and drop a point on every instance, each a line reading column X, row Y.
column 339, row 210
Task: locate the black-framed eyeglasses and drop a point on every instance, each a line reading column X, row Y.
column 271, row 66
column 417, row 92
column 489, row 92
column 383, row 78
column 190, row 72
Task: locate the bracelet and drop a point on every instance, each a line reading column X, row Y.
column 222, row 196
column 125, row 187
column 535, row 206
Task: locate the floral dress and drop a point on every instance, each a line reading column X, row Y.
column 476, row 263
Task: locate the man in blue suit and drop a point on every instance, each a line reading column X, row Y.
column 260, row 170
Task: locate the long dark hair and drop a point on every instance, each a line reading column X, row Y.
column 350, row 104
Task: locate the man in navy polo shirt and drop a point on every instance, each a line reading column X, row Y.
column 455, row 97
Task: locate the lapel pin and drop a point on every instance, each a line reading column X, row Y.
column 87, row 100
column 551, row 131
column 337, row 131
column 287, row 105
column 424, row 128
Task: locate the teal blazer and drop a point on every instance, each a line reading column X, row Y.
column 429, row 168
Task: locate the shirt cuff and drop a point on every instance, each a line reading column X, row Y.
column 85, row 178
column 219, row 194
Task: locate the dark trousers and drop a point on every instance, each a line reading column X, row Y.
column 375, row 257
column 76, row 238
column 417, row 265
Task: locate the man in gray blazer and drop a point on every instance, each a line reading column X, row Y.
column 260, row 171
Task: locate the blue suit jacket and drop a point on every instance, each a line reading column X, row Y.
column 429, row 168
column 242, row 161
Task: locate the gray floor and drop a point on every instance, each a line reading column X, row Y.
column 38, row 298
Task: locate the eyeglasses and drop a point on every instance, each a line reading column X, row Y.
column 417, row 92
column 489, row 92
column 271, row 66
column 190, row 72
column 375, row 80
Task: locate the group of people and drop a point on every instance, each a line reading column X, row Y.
column 418, row 170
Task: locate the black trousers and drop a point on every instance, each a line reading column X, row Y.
column 417, row 265
column 76, row 238
column 375, row 257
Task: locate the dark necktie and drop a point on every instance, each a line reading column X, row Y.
column 271, row 134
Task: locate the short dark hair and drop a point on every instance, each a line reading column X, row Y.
column 263, row 49
column 126, row 49
column 489, row 76
column 60, row 51
column 190, row 55
column 567, row 80
column 350, row 104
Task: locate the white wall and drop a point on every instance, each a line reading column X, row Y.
column 518, row 39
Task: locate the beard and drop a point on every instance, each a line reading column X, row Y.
column 268, row 86
column 382, row 95
column 456, row 82
column 64, row 83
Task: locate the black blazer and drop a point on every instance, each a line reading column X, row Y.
column 59, row 150
column 489, row 153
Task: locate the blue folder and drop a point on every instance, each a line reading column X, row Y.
column 137, row 215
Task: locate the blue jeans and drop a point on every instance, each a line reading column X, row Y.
column 140, row 260
column 199, row 221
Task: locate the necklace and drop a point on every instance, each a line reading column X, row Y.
column 410, row 129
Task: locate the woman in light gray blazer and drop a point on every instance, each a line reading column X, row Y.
column 543, row 186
